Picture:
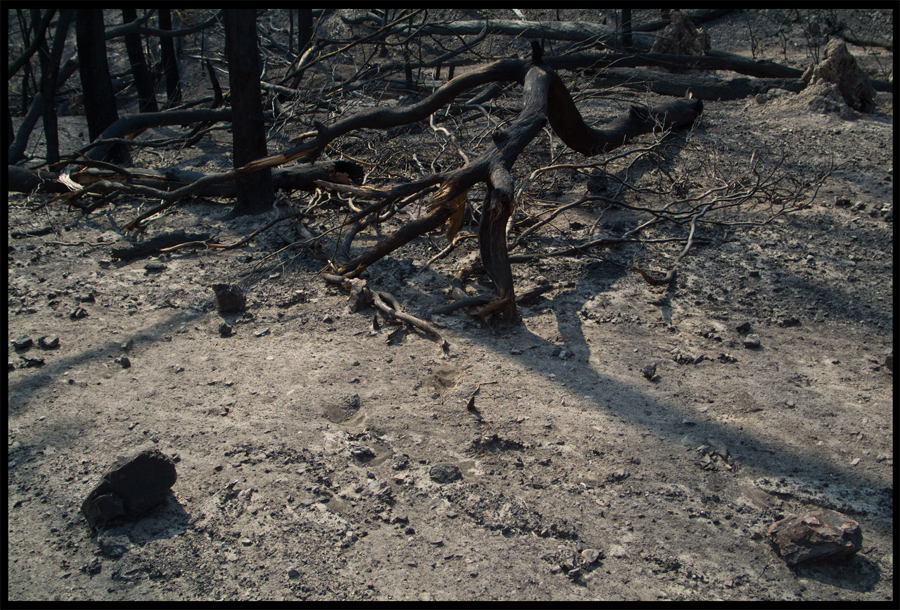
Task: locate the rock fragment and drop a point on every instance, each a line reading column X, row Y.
column 23, row 342
column 131, row 489
column 444, row 472
column 819, row 534
column 49, row 342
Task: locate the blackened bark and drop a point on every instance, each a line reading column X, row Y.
column 143, row 80
column 626, row 29
column 169, row 62
column 48, row 84
column 304, row 28
column 255, row 190
column 99, row 99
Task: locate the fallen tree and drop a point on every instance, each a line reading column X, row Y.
column 545, row 99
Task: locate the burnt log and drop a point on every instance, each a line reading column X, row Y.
column 302, row 178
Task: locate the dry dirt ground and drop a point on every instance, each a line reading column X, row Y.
column 305, row 442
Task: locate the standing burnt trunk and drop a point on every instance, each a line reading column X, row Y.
column 48, row 83
column 169, row 62
column 255, row 191
column 143, row 81
column 99, row 99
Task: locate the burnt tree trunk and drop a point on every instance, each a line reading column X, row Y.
column 626, row 29
column 169, row 61
column 304, row 28
column 255, row 191
column 48, row 84
column 99, row 99
column 143, row 81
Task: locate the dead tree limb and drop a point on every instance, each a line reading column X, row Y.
column 545, row 97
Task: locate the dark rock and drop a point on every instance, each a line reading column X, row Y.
column 649, row 371
column 134, row 487
column 743, row 327
column 23, row 342
column 231, row 298
column 751, row 341
column 819, row 534
column 225, row 329
column 363, row 454
column 155, row 267
column 49, row 342
column 30, row 361
column 78, row 313
column 444, row 472
column 123, row 361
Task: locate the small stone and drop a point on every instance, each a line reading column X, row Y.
column 743, row 327
column 818, row 534
column 649, row 371
column 124, row 362
column 589, row 557
column 78, row 313
column 363, row 454
column 855, row 462
column 444, row 472
column 23, row 342
column 49, row 342
column 293, row 573
column 225, row 329
column 882, row 457
column 751, row 341
column 262, row 333
column 30, row 361
column 246, row 541
column 128, row 345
